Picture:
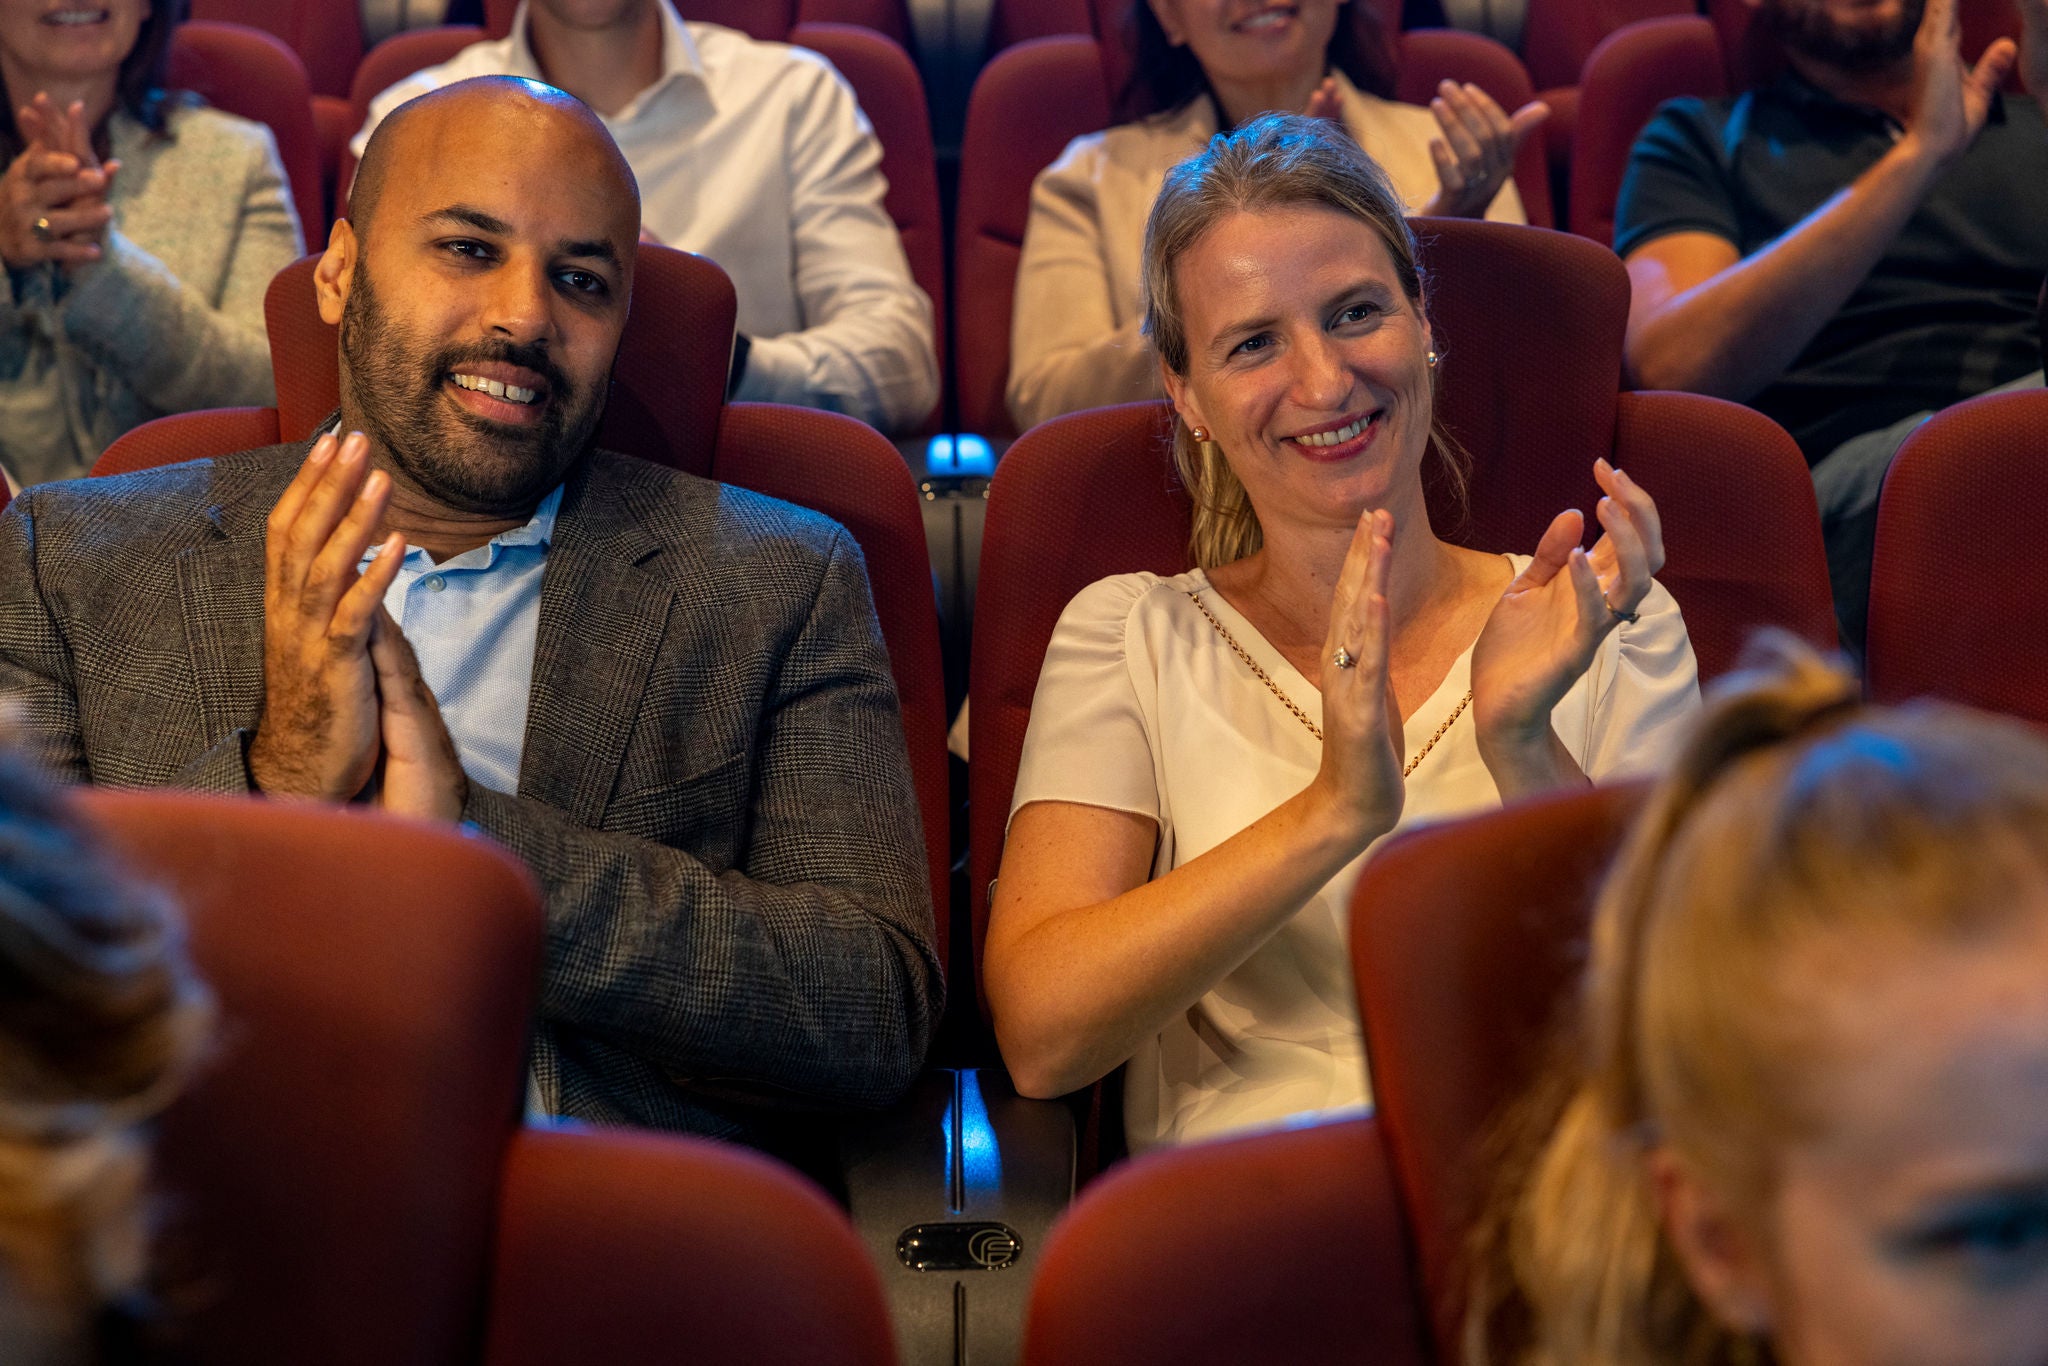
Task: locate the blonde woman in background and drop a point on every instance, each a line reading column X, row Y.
column 1211, row 755
column 1807, row 1121
column 100, row 1020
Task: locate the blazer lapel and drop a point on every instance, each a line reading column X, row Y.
column 602, row 618
column 220, row 588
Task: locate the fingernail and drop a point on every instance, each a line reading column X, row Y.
column 323, row 451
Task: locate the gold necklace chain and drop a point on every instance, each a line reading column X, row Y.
column 1302, row 716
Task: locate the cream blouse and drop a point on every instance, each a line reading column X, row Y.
column 1074, row 340
column 1142, row 707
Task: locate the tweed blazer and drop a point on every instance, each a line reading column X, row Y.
column 714, row 796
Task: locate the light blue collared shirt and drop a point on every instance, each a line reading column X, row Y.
column 473, row 620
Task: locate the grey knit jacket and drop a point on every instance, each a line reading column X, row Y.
column 170, row 318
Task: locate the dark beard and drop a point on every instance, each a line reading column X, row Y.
column 465, row 462
column 1804, row 27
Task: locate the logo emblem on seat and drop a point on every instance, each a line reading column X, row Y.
column 982, row 1245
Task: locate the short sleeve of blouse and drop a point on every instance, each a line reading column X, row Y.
column 1089, row 740
column 1646, row 693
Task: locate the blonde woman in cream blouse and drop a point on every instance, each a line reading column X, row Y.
column 1201, row 66
column 1212, row 756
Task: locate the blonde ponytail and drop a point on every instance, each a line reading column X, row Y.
column 1794, row 811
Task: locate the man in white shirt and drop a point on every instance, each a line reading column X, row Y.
column 758, row 156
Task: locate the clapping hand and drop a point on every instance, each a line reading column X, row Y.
column 1547, row 626
column 53, row 197
column 1476, row 154
column 1361, row 767
column 1952, row 99
column 1325, row 103
column 345, row 708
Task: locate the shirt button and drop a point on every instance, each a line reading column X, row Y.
column 435, row 583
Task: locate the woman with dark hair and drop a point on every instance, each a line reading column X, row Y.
column 1211, row 756
column 139, row 232
column 1204, row 66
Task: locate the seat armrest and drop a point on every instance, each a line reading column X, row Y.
column 953, row 1192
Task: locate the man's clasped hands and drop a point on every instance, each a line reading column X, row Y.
column 346, row 712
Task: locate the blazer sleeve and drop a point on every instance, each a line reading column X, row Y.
column 808, row 969
column 36, row 686
column 175, row 347
column 1066, row 350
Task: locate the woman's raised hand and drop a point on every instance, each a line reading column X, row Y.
column 1325, row 103
column 1361, row 768
column 53, row 197
column 1476, row 154
column 1544, row 631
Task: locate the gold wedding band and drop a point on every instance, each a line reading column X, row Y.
column 40, row 230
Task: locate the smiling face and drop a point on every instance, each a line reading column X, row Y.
column 1307, row 364
column 1252, row 41
column 481, row 314
column 1910, row 1228
column 44, row 41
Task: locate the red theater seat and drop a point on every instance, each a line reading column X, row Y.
column 1035, row 97
column 617, row 1248
column 333, row 1170
column 248, row 72
column 1467, row 940
column 347, row 1179
column 327, row 35
column 1094, row 494
column 667, row 405
column 1283, row 1247
column 1955, row 610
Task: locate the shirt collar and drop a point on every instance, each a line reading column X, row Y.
column 679, row 59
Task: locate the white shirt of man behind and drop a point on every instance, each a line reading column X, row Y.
column 758, row 156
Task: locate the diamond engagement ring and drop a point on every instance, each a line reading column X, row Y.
column 1344, row 659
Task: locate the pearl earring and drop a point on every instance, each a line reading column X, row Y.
column 1432, row 360
column 1200, row 434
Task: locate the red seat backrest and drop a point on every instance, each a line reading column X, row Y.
column 1027, row 104
column 851, row 473
column 668, row 389
column 1627, row 76
column 769, row 20
column 1954, row 610
column 332, row 1173
column 1282, row 1247
column 327, row 35
column 188, row 436
column 617, row 1248
column 1559, row 35
column 248, row 72
column 1467, row 939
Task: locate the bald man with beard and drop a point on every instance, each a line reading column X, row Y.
column 669, row 697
